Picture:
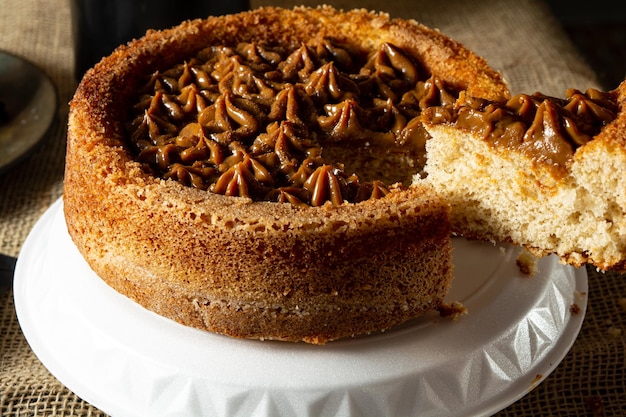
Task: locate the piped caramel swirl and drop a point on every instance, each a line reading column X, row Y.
column 255, row 120
column 546, row 128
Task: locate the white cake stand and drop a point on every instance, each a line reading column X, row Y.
column 130, row 362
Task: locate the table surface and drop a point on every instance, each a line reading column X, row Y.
column 522, row 39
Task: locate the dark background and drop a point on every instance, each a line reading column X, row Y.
column 598, row 29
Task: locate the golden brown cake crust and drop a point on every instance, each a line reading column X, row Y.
column 257, row 269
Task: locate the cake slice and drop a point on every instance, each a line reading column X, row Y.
column 537, row 171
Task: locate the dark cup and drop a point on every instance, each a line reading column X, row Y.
column 99, row 26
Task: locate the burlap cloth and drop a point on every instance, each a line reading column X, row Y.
column 520, row 38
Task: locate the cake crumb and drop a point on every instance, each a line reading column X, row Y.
column 615, row 331
column 527, row 263
column 596, row 405
column 574, row 309
column 316, row 340
column 454, row 310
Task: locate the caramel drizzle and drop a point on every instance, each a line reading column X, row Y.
column 252, row 120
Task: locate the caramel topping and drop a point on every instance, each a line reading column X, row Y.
column 327, row 84
column 548, row 129
column 323, row 185
column 253, row 121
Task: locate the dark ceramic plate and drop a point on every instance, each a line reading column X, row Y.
column 28, row 106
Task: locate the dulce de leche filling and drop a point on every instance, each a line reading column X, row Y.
column 548, row 129
column 326, row 122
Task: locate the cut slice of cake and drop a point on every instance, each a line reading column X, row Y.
column 537, row 171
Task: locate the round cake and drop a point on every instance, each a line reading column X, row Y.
column 251, row 174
